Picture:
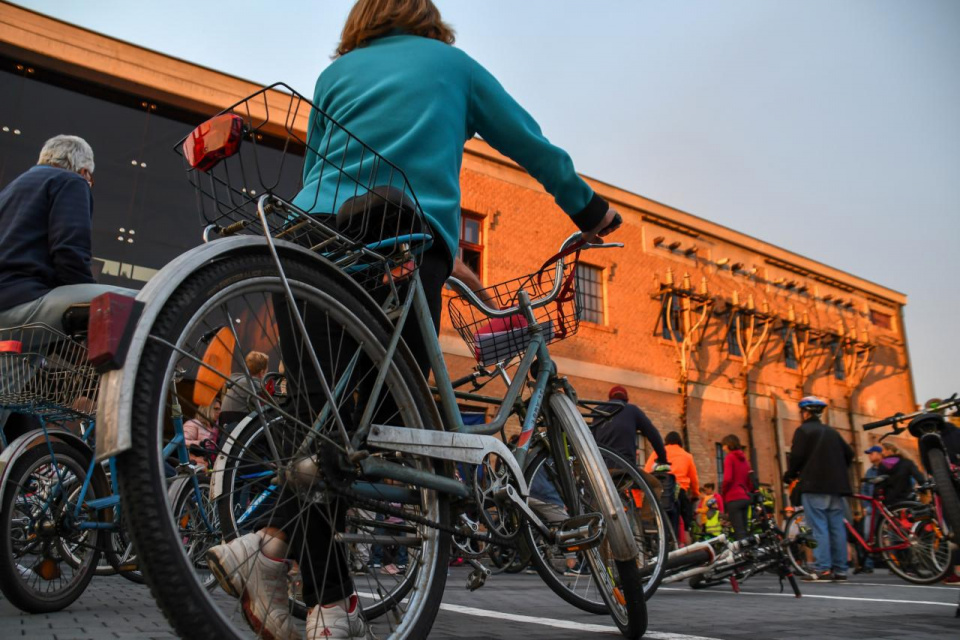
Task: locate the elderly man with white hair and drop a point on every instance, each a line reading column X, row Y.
column 45, row 228
column 45, row 253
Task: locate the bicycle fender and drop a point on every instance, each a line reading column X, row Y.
column 114, row 408
column 32, row 439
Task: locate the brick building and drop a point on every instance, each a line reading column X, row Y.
column 711, row 330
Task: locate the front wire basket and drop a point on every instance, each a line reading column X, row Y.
column 327, row 191
column 493, row 340
column 45, row 373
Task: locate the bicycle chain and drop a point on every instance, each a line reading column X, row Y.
column 386, row 508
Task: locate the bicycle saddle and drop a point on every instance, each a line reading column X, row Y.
column 75, row 319
column 382, row 212
column 876, row 479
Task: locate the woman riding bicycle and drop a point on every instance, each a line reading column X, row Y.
column 399, row 85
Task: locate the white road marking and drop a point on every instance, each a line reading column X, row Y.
column 905, row 586
column 562, row 624
column 810, row 595
column 549, row 622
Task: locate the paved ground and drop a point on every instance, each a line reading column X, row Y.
column 878, row 606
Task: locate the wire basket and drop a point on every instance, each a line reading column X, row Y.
column 44, row 372
column 493, row 340
column 327, row 190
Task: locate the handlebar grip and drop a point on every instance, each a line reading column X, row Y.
column 613, row 226
column 880, row 423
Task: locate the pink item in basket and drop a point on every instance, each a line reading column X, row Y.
column 501, row 339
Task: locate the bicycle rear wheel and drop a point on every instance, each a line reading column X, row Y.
column 303, row 455
column 618, row 581
column 47, row 560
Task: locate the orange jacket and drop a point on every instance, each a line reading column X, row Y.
column 683, row 467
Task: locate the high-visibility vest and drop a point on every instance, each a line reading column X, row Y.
column 711, row 524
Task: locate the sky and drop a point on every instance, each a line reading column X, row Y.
column 831, row 129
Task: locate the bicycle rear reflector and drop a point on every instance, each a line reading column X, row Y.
column 216, row 139
column 113, row 317
column 11, row 346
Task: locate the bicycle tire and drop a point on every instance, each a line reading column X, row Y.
column 797, row 549
column 185, row 603
column 619, row 581
column 13, row 573
column 928, row 559
column 568, row 589
column 947, row 490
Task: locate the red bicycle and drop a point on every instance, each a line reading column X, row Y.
column 909, row 536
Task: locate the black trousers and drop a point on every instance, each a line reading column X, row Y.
column 737, row 512
column 309, row 527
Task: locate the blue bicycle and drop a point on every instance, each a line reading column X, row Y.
column 61, row 517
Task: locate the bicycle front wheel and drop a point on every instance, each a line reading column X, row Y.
column 618, row 580
column 947, row 489
column 800, row 543
column 640, row 507
column 238, row 305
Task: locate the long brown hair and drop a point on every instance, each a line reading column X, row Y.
column 371, row 19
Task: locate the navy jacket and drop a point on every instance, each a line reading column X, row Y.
column 45, row 226
column 620, row 431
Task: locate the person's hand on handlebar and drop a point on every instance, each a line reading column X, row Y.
column 610, row 223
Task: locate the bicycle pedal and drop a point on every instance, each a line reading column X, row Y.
column 476, row 579
column 580, row 533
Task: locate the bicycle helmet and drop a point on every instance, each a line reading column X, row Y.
column 813, row 404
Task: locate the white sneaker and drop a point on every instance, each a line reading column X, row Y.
column 260, row 582
column 332, row 621
column 227, row 561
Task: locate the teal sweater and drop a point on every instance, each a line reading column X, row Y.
column 416, row 101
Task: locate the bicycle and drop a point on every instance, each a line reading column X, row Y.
column 926, row 426
column 60, row 506
column 372, row 438
column 59, row 509
column 908, row 536
column 719, row 559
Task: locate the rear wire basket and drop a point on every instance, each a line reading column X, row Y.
column 493, row 340
column 44, row 372
column 357, row 210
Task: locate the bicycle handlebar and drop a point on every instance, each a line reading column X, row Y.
column 903, row 417
column 461, row 288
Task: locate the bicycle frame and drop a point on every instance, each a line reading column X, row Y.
column 880, row 508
